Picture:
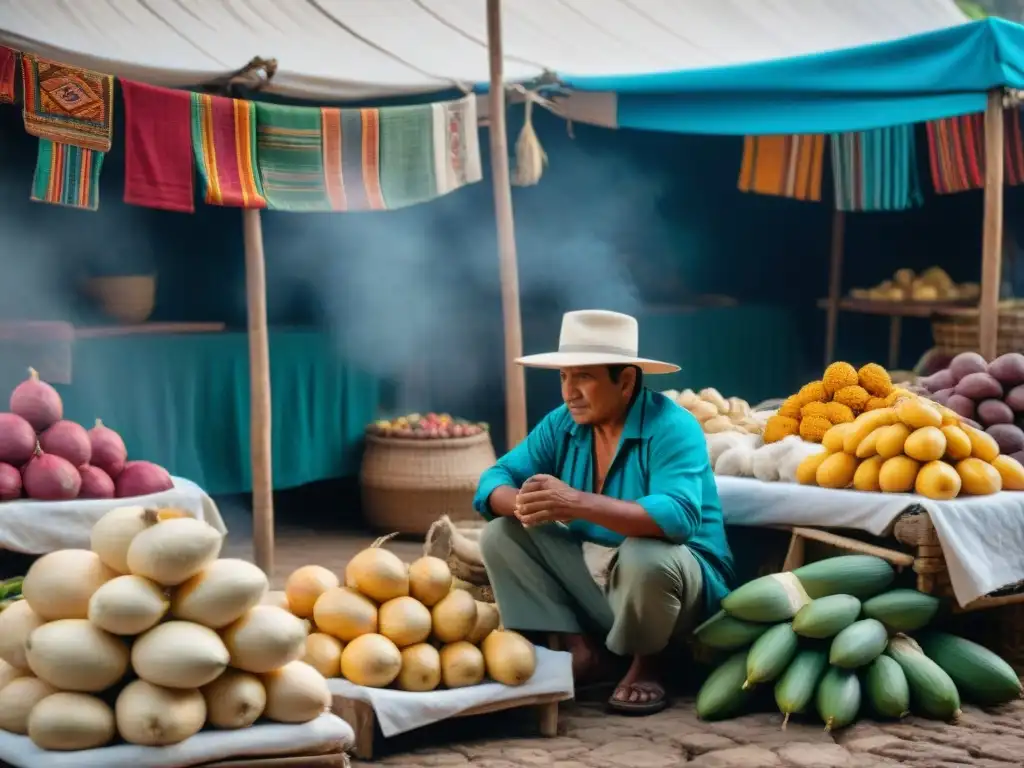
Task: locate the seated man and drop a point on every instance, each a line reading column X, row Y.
column 620, row 466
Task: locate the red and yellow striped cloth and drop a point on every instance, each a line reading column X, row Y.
column 956, row 152
column 784, row 166
column 224, row 144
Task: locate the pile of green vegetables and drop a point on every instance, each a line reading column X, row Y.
column 830, row 635
column 10, row 591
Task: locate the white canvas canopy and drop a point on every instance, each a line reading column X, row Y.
column 360, row 49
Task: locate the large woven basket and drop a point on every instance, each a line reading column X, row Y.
column 407, row 484
column 956, row 331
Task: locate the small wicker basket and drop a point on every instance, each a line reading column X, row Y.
column 956, row 331
column 407, row 484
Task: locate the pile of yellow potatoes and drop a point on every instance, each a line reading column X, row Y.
column 912, row 446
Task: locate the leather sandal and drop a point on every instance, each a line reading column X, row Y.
column 659, row 699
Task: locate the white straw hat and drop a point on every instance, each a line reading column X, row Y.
column 597, row 337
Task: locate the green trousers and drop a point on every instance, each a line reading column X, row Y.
column 541, row 583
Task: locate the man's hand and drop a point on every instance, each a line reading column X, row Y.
column 546, row 499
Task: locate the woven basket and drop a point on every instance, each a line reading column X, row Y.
column 957, row 331
column 129, row 299
column 407, row 484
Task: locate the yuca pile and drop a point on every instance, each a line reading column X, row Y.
column 829, row 637
column 149, row 637
column 717, row 414
column 406, row 626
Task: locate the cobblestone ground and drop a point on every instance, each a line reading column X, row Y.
column 589, row 738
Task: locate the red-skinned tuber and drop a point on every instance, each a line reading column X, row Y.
column 17, row 439
column 50, row 478
column 69, row 441
column 37, row 402
column 96, row 484
column 108, row 450
column 10, row 482
column 141, row 478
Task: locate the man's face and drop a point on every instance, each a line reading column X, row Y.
column 592, row 396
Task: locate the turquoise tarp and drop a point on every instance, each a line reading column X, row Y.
column 916, row 79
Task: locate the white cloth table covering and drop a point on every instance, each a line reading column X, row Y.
column 401, row 711
column 982, row 536
column 747, row 501
column 262, row 740
column 38, row 527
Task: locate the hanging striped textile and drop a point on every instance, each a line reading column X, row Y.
column 956, row 152
column 224, row 145
column 67, row 175
column 8, row 74
column 408, row 174
column 876, row 170
column 289, row 151
column 392, row 157
column 351, row 147
column 784, row 166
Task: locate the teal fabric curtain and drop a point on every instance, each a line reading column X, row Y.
column 183, row 402
column 919, row 78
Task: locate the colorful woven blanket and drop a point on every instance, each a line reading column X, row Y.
column 8, row 73
column 785, row 166
column 956, row 151
column 67, row 175
column 289, row 151
column 388, row 158
column 67, row 104
column 224, row 144
column 158, row 147
column 876, row 170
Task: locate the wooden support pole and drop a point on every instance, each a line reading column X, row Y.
column 835, row 284
column 515, row 379
column 259, row 394
column 992, row 227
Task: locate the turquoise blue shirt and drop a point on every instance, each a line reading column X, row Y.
column 661, row 464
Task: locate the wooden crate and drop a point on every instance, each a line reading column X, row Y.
column 360, row 715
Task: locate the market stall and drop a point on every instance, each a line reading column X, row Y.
column 387, row 611
column 897, row 466
column 406, row 65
